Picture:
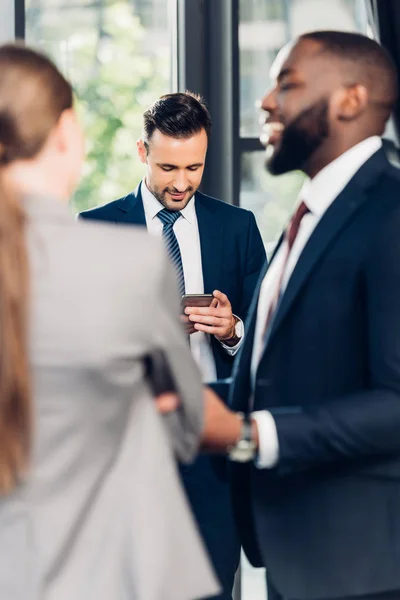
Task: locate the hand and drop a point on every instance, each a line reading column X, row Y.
column 217, row 319
column 167, row 403
column 222, row 427
column 187, row 325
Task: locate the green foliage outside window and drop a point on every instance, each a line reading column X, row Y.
column 117, row 72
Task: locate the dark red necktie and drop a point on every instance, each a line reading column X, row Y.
column 290, row 236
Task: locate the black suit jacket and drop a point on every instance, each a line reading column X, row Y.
column 232, row 251
column 326, row 520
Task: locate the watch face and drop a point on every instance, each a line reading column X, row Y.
column 239, row 329
column 244, row 451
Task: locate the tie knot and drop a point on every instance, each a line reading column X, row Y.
column 168, row 217
column 294, row 224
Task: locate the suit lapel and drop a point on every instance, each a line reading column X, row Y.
column 238, row 397
column 252, row 315
column 275, row 250
column 331, row 224
column 131, row 208
column 211, row 232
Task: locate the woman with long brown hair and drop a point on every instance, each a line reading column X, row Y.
column 90, row 504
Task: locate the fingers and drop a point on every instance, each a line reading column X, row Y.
column 218, row 331
column 221, row 426
column 188, row 325
column 221, row 297
column 167, row 403
column 208, row 320
column 214, row 312
column 214, row 303
column 220, row 306
column 215, row 320
column 222, row 332
column 218, row 326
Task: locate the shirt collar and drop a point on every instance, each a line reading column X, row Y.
column 319, row 192
column 152, row 206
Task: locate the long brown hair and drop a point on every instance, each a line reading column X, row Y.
column 33, row 95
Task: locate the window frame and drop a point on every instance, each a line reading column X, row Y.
column 19, row 19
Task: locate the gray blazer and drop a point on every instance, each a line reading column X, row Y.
column 101, row 514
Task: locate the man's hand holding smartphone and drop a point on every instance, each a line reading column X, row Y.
column 210, row 313
column 195, row 301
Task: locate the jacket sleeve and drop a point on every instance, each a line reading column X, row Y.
column 186, row 424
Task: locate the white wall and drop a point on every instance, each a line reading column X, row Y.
column 6, row 20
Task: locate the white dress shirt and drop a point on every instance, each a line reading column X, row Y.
column 187, row 233
column 318, row 194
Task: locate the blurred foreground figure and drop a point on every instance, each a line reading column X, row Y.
column 90, row 506
column 318, row 502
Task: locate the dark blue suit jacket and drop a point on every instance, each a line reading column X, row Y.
column 326, row 520
column 232, row 255
column 232, row 251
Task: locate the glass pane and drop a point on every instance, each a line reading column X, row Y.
column 7, row 22
column 266, row 26
column 117, row 53
column 270, row 198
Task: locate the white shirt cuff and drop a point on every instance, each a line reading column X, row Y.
column 268, row 445
column 231, row 350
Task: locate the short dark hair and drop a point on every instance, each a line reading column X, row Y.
column 370, row 61
column 179, row 115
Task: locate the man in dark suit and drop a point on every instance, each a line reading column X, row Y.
column 318, row 500
column 215, row 246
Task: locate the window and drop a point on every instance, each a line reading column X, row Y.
column 7, row 20
column 264, row 27
column 117, row 53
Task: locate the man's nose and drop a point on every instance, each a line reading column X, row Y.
column 269, row 101
column 180, row 182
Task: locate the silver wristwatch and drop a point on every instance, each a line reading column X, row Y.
column 245, row 448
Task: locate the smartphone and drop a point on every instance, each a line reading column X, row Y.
column 203, row 300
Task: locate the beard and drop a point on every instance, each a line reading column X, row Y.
column 300, row 139
column 162, row 197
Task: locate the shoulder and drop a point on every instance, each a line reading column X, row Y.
column 390, row 180
column 106, row 211
column 385, row 193
column 383, row 212
column 228, row 211
column 120, row 234
column 118, row 249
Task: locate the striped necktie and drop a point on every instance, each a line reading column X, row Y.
column 168, row 219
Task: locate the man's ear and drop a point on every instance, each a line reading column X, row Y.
column 353, row 103
column 142, row 152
